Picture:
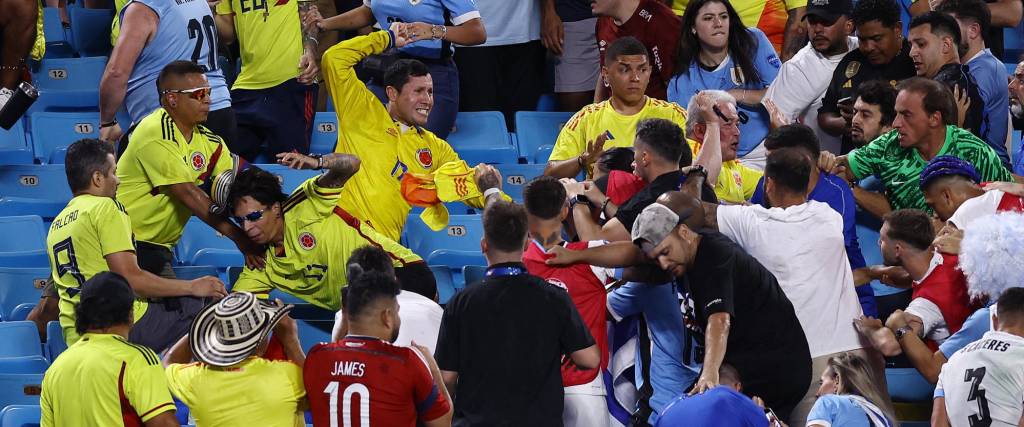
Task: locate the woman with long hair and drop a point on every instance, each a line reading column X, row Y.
column 717, row 52
column 848, row 397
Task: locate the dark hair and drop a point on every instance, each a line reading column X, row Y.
column 616, row 159
column 789, row 168
column 728, row 373
column 257, row 183
column 882, row 94
column 176, row 68
column 106, row 300
column 85, row 157
column 366, row 289
column 942, row 25
column 663, row 137
column 885, row 11
column 1010, row 306
column 624, row 46
column 742, row 44
column 397, row 75
column 544, row 197
column 796, row 135
column 505, row 226
column 367, row 259
column 969, row 10
column 912, row 226
column 937, row 97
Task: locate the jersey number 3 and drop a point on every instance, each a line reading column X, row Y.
column 204, row 33
column 346, row 403
column 983, row 418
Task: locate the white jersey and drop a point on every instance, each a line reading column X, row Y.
column 983, row 383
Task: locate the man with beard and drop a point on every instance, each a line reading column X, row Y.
column 802, row 80
column 395, row 385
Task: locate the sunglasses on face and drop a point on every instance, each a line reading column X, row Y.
column 197, row 93
column 250, row 217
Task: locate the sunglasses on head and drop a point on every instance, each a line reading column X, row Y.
column 741, row 117
column 250, row 217
column 196, row 93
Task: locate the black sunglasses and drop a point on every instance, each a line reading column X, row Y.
column 251, row 217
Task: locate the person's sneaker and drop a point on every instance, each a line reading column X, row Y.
column 5, row 94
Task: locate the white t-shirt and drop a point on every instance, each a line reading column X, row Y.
column 801, row 83
column 985, row 380
column 421, row 320
column 510, row 22
column 972, row 209
column 803, row 247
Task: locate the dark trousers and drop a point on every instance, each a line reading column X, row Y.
column 166, row 319
column 501, row 78
column 274, row 120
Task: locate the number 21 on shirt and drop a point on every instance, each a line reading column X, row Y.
column 354, row 389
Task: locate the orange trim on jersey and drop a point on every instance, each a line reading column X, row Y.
column 356, row 224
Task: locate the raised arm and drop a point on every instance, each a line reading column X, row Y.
column 137, row 27
column 354, row 19
column 612, row 255
column 795, row 36
column 340, row 167
column 199, row 203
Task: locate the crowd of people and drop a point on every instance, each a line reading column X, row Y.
column 690, row 255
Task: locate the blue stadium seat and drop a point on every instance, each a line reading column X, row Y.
column 290, row 178
column 33, row 190
column 473, row 273
column 516, row 177
column 21, row 311
column 24, row 365
column 445, row 286
column 20, row 338
column 907, row 385
column 202, row 245
column 55, row 344
column 313, row 332
column 189, row 272
column 482, row 137
column 535, row 129
column 23, row 245
column 325, row 133
column 69, row 83
column 58, row 44
column 20, row 286
column 53, row 132
column 20, row 389
column 21, row 416
column 14, row 149
column 546, row 102
column 542, row 155
column 90, row 31
column 1013, row 43
column 458, row 244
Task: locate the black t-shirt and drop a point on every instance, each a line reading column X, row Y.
column 959, row 75
column 671, row 181
column 855, row 69
column 505, row 336
column 573, row 10
column 765, row 335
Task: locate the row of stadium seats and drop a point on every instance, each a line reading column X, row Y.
column 479, row 137
column 88, row 32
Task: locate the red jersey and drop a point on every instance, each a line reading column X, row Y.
column 990, row 203
column 364, row 381
column 657, row 27
column 946, row 287
column 585, row 285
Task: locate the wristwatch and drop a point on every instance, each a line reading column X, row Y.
column 579, row 198
column 901, row 332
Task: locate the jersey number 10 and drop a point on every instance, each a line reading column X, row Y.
column 346, row 403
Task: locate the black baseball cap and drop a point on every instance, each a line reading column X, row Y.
column 106, row 291
column 828, row 10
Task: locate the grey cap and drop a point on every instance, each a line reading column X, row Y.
column 653, row 225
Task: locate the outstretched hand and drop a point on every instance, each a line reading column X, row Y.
column 561, row 256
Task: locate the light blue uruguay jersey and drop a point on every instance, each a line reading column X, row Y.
column 727, row 76
column 186, row 32
column 435, row 12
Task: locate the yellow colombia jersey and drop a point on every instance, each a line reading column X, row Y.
column 319, row 236
column 769, row 16
column 595, row 119
column 87, row 230
column 115, row 25
column 386, row 149
column 104, row 381
column 736, row 182
column 270, row 40
column 158, row 155
column 273, row 393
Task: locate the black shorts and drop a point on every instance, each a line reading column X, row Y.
column 274, row 120
column 166, row 320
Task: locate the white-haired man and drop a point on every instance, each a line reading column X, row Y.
column 714, row 122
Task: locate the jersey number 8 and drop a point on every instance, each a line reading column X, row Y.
column 346, row 404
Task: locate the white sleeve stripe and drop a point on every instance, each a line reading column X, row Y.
column 929, row 313
column 465, row 17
